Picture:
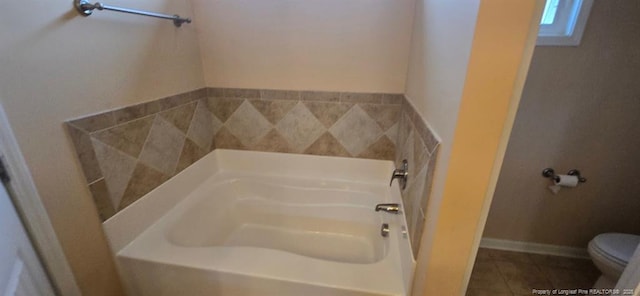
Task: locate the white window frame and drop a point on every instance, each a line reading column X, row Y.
column 568, row 26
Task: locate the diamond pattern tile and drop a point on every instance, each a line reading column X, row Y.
column 217, row 125
column 226, row 140
column 385, row 115
column 128, row 137
column 420, row 153
column 404, row 127
column 191, row 152
column 163, row 147
column 273, row 142
column 356, row 130
column 273, row 110
column 143, row 180
column 223, row 107
column 116, row 168
column 85, row 153
column 100, row 194
column 248, row 125
column 300, row 128
column 136, row 148
column 327, row 145
column 382, row 149
column 180, row 116
column 203, row 126
column 328, row 112
column 392, row 133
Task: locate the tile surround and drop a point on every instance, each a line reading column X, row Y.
column 419, row 146
column 125, row 153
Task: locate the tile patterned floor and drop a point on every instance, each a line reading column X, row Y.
column 504, row 273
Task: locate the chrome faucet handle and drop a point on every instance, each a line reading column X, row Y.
column 401, row 174
column 388, row 207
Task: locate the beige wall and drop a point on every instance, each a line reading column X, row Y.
column 464, row 79
column 580, row 109
column 333, row 45
column 440, row 48
column 56, row 65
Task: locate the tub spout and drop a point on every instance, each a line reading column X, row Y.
column 389, row 208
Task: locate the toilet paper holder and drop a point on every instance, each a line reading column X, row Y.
column 551, row 174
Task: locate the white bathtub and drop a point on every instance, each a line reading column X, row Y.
column 257, row 223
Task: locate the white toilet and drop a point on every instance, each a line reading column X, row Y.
column 611, row 252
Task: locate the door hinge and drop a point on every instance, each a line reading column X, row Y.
column 4, row 174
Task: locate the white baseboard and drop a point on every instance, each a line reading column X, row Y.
column 527, row 247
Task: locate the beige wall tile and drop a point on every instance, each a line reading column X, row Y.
column 273, row 110
column 356, row 130
column 203, row 126
column 95, row 122
column 404, row 128
column 180, row 116
column 223, row 107
column 383, row 149
column 215, row 92
column 270, row 94
column 392, row 132
column 143, row 180
column 273, row 142
column 300, row 127
column 327, row 145
column 385, row 115
column 420, row 153
column 431, row 166
column 395, row 99
column 248, row 125
column 242, row 93
column 361, row 98
column 163, row 147
column 127, row 137
column 328, row 112
column 320, row 96
column 191, row 153
column 224, row 139
column 278, row 121
column 410, row 146
column 136, row 111
column 85, row 153
column 116, row 168
column 102, row 199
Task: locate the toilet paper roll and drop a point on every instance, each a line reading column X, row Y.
column 566, row 181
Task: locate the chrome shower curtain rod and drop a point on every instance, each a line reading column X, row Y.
column 85, row 8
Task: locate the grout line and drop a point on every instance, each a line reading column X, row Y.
column 97, row 180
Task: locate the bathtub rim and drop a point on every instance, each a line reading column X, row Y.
column 124, row 227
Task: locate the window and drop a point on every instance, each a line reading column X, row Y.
column 563, row 22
